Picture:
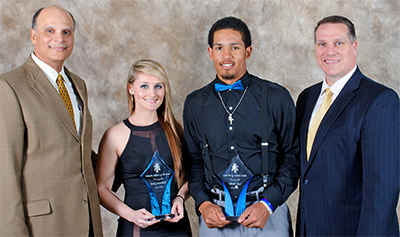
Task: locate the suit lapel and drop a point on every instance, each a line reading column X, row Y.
column 336, row 109
column 43, row 87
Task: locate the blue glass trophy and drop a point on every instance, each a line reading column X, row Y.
column 158, row 178
column 235, row 179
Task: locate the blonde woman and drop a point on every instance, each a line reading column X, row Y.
column 145, row 145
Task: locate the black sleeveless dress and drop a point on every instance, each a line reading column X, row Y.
column 142, row 144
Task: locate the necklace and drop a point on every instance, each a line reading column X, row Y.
column 230, row 118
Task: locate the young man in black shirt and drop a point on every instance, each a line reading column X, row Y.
column 239, row 130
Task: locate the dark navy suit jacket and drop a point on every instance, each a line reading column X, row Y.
column 350, row 186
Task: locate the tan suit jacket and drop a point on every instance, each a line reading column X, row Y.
column 46, row 176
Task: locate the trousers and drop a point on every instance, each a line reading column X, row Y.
column 279, row 224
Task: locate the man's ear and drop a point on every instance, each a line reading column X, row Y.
column 33, row 36
column 210, row 53
column 248, row 52
column 355, row 48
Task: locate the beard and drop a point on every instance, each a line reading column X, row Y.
column 228, row 76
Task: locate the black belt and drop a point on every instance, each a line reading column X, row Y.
column 250, row 197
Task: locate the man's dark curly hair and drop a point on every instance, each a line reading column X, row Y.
column 230, row 23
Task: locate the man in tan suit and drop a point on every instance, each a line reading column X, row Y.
column 47, row 184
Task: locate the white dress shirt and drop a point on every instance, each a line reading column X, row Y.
column 336, row 88
column 52, row 76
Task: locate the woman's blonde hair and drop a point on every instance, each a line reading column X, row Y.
column 172, row 128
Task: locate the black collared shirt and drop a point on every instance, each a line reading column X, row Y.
column 243, row 136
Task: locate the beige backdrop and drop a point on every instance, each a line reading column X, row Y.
column 112, row 34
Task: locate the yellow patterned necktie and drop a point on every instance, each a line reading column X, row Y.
column 65, row 97
column 326, row 103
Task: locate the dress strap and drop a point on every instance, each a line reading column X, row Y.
column 128, row 124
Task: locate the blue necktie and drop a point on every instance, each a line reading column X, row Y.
column 235, row 86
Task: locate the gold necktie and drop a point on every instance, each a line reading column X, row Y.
column 326, row 103
column 65, row 97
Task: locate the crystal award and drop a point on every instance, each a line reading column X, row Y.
column 158, row 177
column 235, row 179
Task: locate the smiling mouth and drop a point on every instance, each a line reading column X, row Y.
column 58, row 47
column 331, row 61
column 228, row 65
column 151, row 101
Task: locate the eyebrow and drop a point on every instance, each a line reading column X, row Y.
column 219, row 44
column 336, row 39
column 52, row 27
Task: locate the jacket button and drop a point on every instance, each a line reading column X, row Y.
column 306, row 181
column 302, row 210
column 84, row 201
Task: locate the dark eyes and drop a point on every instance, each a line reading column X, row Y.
column 336, row 44
column 220, row 48
column 51, row 31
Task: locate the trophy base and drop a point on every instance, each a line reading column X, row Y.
column 232, row 218
column 162, row 217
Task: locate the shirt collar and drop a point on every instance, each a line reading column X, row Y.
column 48, row 71
column 337, row 87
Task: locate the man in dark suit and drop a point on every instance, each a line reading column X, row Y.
column 348, row 127
column 47, row 182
